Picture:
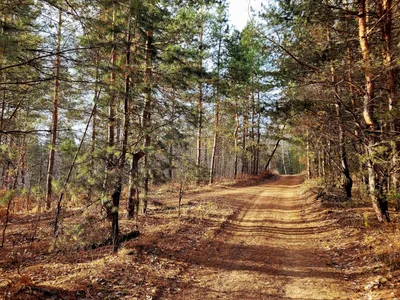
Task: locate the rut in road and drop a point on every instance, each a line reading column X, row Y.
column 269, row 250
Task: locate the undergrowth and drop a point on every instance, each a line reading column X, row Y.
column 370, row 248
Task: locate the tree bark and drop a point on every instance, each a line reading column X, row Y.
column 284, row 162
column 116, row 196
column 94, row 127
column 111, row 163
column 272, row 153
column 132, row 205
column 147, row 114
column 4, row 95
column 252, row 134
column 348, row 181
column 235, row 138
column 215, row 142
column 308, row 153
column 368, row 114
column 391, row 79
column 200, row 105
column 245, row 127
column 54, row 121
column 216, row 123
column 257, row 163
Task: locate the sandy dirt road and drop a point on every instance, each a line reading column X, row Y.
column 269, row 250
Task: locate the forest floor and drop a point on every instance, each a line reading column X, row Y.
column 262, row 239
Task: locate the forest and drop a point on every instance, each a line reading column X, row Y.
column 128, row 128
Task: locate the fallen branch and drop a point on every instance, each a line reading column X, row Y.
column 121, row 239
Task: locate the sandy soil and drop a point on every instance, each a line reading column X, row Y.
column 269, row 250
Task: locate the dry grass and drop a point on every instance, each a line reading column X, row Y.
column 366, row 249
column 67, row 268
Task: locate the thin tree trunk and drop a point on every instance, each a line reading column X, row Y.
column 257, row 166
column 23, row 161
column 275, row 148
column 111, row 164
column 50, row 171
column 116, row 196
column 245, row 165
column 283, row 161
column 71, row 168
column 200, row 106
column 319, row 164
column 170, row 161
column 324, row 164
column 216, row 124
column 199, row 126
column 272, row 154
column 171, row 146
column 253, row 142
column 308, row 155
column 10, row 200
column 180, row 199
column 4, row 95
column 133, row 197
column 147, row 114
column 6, row 221
column 215, row 143
column 94, row 127
column 235, row 138
column 289, row 161
column 348, row 181
column 4, row 167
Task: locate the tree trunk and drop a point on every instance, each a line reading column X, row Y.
column 71, row 168
column 199, row 127
column 54, row 121
column 216, row 124
column 272, row 154
column 391, row 88
column 11, row 195
column 200, row 106
column 235, row 138
column 245, row 127
column 170, row 161
column 283, row 161
column 180, row 199
column 368, row 114
column 257, row 164
column 252, row 133
column 111, row 164
column 171, row 146
column 214, row 150
column 111, row 103
column 147, row 114
column 309, row 174
column 94, row 127
column 348, row 181
column 132, row 205
column 4, row 95
column 116, row 195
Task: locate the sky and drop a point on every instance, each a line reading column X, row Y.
column 239, row 11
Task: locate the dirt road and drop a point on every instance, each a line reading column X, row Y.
column 270, row 250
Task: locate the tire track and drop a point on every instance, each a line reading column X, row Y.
column 269, row 250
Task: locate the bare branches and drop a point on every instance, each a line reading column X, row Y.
column 50, row 54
